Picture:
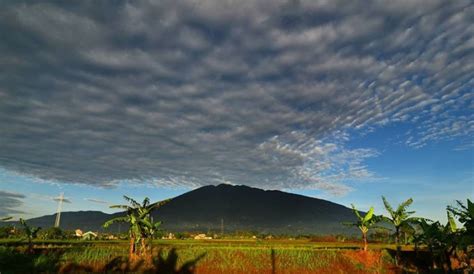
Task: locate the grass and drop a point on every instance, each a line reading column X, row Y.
column 239, row 259
column 211, row 243
column 221, row 256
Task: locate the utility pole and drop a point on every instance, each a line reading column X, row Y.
column 222, row 227
column 60, row 200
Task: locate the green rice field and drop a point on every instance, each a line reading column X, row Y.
column 214, row 256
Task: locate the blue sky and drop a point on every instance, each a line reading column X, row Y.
column 330, row 99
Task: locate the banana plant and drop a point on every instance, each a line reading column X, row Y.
column 364, row 223
column 141, row 228
column 441, row 240
column 400, row 219
column 465, row 215
column 31, row 233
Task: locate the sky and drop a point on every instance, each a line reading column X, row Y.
column 340, row 100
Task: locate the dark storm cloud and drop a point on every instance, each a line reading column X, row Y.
column 9, row 202
column 258, row 93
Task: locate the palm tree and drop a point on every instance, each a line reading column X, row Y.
column 141, row 227
column 400, row 219
column 364, row 223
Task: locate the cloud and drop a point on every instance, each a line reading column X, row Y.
column 49, row 198
column 466, row 146
column 97, row 201
column 9, row 202
column 193, row 93
column 318, row 164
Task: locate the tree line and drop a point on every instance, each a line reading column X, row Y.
column 443, row 241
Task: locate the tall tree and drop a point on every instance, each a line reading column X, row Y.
column 141, row 227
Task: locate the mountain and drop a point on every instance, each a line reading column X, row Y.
column 236, row 208
column 252, row 209
column 70, row 220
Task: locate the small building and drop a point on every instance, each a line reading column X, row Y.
column 78, row 233
column 111, row 237
column 170, row 236
column 202, row 237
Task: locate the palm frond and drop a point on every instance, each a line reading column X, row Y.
column 120, row 206
column 356, row 212
column 146, row 222
column 369, row 215
column 146, row 202
column 132, row 201
column 388, row 207
column 116, row 220
column 414, row 220
column 461, row 204
column 161, row 203
column 402, row 207
column 452, row 224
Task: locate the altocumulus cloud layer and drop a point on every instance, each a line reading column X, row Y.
column 259, row 93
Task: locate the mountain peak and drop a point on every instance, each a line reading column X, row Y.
column 235, row 187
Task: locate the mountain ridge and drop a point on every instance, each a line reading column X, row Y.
column 235, row 207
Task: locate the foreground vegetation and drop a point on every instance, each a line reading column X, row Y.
column 236, row 256
column 399, row 243
column 215, row 256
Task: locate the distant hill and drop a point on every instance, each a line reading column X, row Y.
column 240, row 208
column 70, row 220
